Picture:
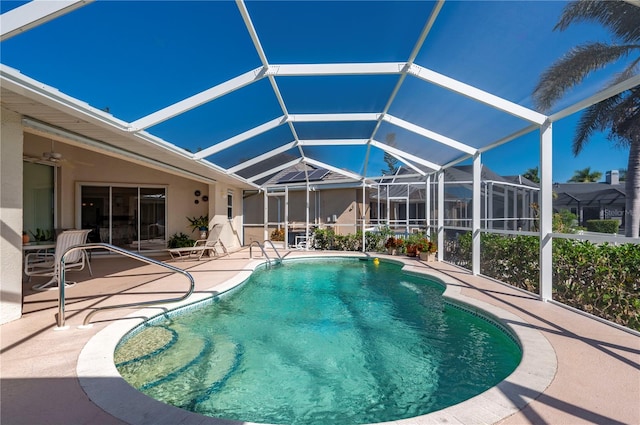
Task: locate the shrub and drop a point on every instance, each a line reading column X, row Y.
column 374, row 241
column 180, row 240
column 603, row 226
column 277, row 235
column 600, row 279
column 327, row 239
column 323, row 238
column 511, row 259
column 565, row 222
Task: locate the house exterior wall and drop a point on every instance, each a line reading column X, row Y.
column 324, row 204
column 82, row 166
column 343, row 205
column 10, row 216
column 87, row 167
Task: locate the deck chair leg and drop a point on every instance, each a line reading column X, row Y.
column 51, row 284
column 224, row 248
column 45, row 286
column 88, row 265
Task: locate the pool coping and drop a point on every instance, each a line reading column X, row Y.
column 105, row 387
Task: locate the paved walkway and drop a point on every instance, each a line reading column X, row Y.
column 597, row 378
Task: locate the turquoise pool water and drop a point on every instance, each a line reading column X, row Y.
column 320, row 342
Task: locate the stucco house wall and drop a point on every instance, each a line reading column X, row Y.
column 10, row 216
column 86, row 167
column 83, row 166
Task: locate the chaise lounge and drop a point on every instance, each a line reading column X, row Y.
column 201, row 246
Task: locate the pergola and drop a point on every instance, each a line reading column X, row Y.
column 335, row 85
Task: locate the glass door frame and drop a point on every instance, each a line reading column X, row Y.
column 111, row 185
column 56, row 170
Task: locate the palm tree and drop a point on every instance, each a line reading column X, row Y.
column 585, row 176
column 532, row 174
column 620, row 114
column 390, row 160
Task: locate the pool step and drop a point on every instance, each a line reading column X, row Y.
column 152, row 369
column 149, row 342
column 184, row 374
column 198, row 380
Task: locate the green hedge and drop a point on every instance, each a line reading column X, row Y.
column 603, row 226
column 511, row 259
column 327, row 239
column 600, row 279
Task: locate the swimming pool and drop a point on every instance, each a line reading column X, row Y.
column 330, row 341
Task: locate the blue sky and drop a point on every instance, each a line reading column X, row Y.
column 137, row 57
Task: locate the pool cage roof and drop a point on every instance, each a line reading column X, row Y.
column 240, row 91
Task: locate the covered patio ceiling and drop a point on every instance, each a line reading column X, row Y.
column 243, row 90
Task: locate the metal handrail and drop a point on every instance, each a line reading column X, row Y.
column 261, row 249
column 84, row 247
column 274, row 249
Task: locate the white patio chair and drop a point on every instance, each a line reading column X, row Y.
column 201, row 246
column 48, row 264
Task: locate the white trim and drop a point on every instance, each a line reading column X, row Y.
column 274, row 170
column 364, row 116
column 406, row 155
column 262, row 157
column 33, row 14
column 293, row 70
column 334, row 142
column 197, row 100
column 345, row 173
column 430, row 134
column 239, row 138
column 598, row 97
column 477, row 94
column 546, row 212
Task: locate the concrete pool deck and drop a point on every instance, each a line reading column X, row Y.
column 595, row 379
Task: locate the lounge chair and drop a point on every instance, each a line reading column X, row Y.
column 48, row 263
column 201, row 246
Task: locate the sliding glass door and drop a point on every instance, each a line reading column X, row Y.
column 129, row 217
column 38, row 212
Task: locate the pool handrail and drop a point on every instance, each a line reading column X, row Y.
column 112, row 248
column 264, row 252
column 274, row 249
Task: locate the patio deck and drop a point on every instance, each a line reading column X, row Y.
column 597, row 378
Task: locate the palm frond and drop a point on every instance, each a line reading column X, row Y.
column 620, row 17
column 631, row 70
column 587, row 125
column 619, row 114
column 625, row 126
column 573, row 67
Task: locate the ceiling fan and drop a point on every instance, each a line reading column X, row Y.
column 52, row 155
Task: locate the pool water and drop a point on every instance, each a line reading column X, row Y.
column 320, row 342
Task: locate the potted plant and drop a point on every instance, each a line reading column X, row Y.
column 426, row 248
column 391, row 245
column 201, row 223
column 412, row 244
